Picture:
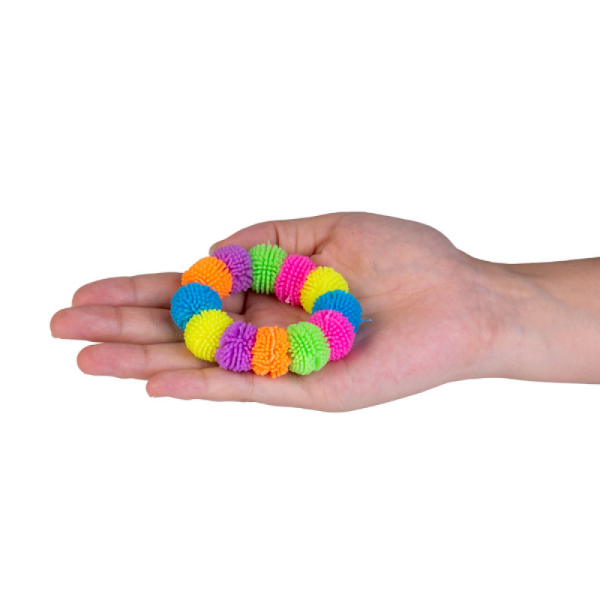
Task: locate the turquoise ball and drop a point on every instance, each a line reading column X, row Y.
column 190, row 300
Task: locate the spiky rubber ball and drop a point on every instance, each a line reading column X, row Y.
column 338, row 331
column 318, row 282
column 191, row 299
column 309, row 348
column 237, row 260
column 343, row 302
column 203, row 331
column 212, row 272
column 210, row 334
column 266, row 263
column 270, row 352
column 235, row 347
column 294, row 271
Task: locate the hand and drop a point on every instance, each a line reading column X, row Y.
column 428, row 326
column 437, row 315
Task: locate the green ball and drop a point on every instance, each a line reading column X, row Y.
column 309, row 348
column 266, row 264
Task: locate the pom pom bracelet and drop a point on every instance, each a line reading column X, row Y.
column 302, row 348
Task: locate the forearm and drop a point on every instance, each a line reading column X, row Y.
column 546, row 320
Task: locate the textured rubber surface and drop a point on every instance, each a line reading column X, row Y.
column 237, row 260
column 212, row 272
column 235, row 347
column 266, row 263
column 270, row 352
column 291, row 278
column 318, row 282
column 343, row 302
column 309, row 348
column 203, row 331
column 190, row 300
column 338, row 331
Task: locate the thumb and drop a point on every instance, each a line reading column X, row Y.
column 295, row 236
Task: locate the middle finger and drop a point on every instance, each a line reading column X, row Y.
column 124, row 324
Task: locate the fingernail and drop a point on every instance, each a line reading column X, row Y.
column 212, row 249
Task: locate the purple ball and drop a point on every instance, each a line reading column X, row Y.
column 235, row 347
column 239, row 263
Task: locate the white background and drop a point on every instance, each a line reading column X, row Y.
column 135, row 134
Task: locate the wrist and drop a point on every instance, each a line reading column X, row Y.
column 543, row 321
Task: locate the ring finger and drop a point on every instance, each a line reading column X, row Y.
column 137, row 361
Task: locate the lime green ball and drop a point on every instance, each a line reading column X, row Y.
column 266, row 264
column 309, row 348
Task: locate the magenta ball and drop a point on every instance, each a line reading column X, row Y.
column 291, row 278
column 338, row 331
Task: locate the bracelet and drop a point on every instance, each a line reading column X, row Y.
column 212, row 335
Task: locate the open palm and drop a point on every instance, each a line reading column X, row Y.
column 427, row 322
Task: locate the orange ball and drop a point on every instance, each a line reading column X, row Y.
column 212, row 272
column 270, row 352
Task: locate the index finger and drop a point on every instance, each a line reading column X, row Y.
column 295, row 236
column 148, row 291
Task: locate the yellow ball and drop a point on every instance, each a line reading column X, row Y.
column 203, row 331
column 318, row 282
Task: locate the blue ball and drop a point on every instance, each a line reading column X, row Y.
column 341, row 301
column 190, row 299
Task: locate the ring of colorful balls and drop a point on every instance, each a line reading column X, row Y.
column 212, row 335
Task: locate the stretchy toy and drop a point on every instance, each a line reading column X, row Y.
column 302, row 348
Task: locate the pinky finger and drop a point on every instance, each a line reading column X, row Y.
column 214, row 383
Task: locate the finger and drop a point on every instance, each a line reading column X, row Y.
column 295, row 236
column 136, row 361
column 123, row 324
column 153, row 291
column 217, row 384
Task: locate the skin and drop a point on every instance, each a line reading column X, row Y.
column 438, row 315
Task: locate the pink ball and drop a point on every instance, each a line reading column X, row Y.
column 291, row 278
column 337, row 329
